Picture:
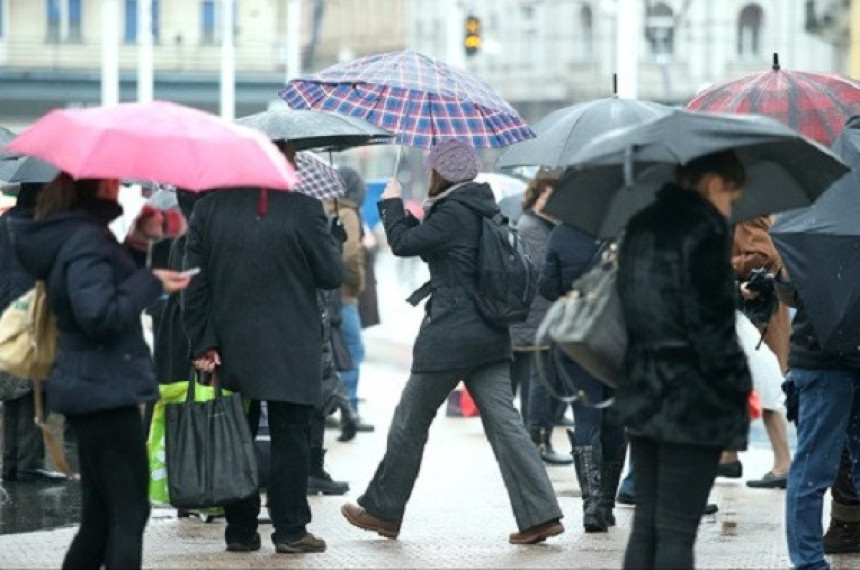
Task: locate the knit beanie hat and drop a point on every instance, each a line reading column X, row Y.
column 455, row 160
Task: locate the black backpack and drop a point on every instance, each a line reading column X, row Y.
column 506, row 279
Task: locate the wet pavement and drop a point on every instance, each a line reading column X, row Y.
column 39, row 504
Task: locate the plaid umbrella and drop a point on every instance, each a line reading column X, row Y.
column 317, row 178
column 815, row 104
column 419, row 98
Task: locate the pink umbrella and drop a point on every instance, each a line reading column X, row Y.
column 159, row 141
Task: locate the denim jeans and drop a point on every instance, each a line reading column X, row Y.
column 350, row 327
column 544, row 410
column 829, row 404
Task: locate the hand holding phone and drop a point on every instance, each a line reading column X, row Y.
column 190, row 272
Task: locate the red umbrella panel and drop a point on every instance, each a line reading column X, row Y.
column 815, row 104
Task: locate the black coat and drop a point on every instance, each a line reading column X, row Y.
column 569, row 253
column 171, row 352
column 97, row 293
column 453, row 334
column 255, row 299
column 14, row 279
column 535, row 230
column 687, row 379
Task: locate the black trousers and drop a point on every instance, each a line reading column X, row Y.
column 843, row 490
column 289, row 428
column 23, row 447
column 672, row 485
column 114, row 490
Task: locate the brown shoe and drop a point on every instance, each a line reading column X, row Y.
column 305, row 545
column 356, row 516
column 537, row 533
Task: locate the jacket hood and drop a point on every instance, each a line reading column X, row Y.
column 477, row 196
column 38, row 242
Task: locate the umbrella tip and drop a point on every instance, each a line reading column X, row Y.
column 775, row 62
column 615, row 84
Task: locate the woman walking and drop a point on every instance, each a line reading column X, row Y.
column 684, row 395
column 103, row 369
column 454, row 343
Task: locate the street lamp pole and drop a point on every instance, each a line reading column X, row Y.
column 109, row 56
column 228, row 63
column 144, row 51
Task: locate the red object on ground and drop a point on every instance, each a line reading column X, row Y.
column 467, row 404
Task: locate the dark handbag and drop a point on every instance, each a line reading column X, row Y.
column 209, row 451
column 588, row 323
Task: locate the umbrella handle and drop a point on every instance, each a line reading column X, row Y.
column 628, row 168
column 149, row 245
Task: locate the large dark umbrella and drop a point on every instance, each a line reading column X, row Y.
column 563, row 132
column 815, row 104
column 24, row 169
column 306, row 129
column 784, row 169
column 820, row 247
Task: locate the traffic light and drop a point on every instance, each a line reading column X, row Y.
column 472, row 41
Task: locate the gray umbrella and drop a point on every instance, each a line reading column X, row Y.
column 26, row 169
column 618, row 173
column 6, row 135
column 563, row 132
column 307, row 129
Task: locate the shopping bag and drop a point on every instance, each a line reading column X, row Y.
column 209, row 450
column 172, row 393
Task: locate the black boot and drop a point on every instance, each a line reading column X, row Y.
column 843, row 536
column 348, row 427
column 587, row 463
column 320, row 482
column 548, row 453
column 613, row 465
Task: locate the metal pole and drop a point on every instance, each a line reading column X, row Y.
column 228, row 63
column 110, row 56
column 294, row 39
column 628, row 42
column 144, row 50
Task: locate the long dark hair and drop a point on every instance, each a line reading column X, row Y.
column 438, row 185
column 536, row 187
column 63, row 194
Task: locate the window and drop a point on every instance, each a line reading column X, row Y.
column 131, row 21
column 52, row 12
column 2, row 19
column 660, row 30
column 210, row 18
column 586, row 27
column 749, row 30
column 74, row 21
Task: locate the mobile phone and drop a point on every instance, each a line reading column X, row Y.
column 190, row 272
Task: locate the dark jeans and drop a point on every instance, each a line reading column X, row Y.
column 23, row 447
column 289, row 428
column 529, row 489
column 544, row 410
column 672, row 485
column 350, row 327
column 114, row 490
column 590, row 424
column 843, row 491
column 521, row 372
column 828, row 417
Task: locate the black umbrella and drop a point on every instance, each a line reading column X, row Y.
column 307, row 129
column 25, row 169
column 820, row 247
column 563, row 132
column 784, row 170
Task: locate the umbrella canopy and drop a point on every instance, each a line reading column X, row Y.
column 317, row 178
column 26, row 169
column 306, row 129
column 6, row 135
column 563, row 132
column 417, row 97
column 784, row 169
column 157, row 141
column 815, row 104
column 512, row 206
column 820, row 247
column 502, row 184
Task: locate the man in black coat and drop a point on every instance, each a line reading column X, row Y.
column 252, row 317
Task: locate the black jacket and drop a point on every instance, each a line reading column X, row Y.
column 14, row 279
column 255, row 299
column 535, row 230
column 171, row 352
column 804, row 350
column 687, row 379
column 453, row 334
column 569, row 253
column 97, row 293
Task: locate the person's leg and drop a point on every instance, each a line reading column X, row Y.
column 843, row 533
column 529, row 489
column 10, row 439
column 30, row 442
column 350, row 327
column 319, row 481
column 627, row 490
column 824, row 410
column 88, row 547
column 389, row 490
column 614, row 442
column 242, row 516
column 587, row 447
column 520, row 371
column 686, row 475
column 642, row 543
column 777, row 431
column 290, row 427
column 544, row 409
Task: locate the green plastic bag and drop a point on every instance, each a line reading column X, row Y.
column 170, row 393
